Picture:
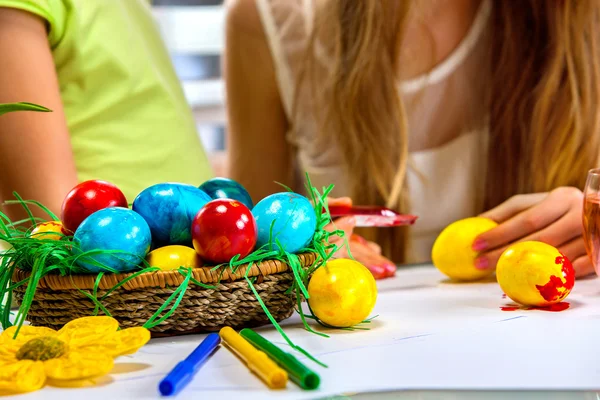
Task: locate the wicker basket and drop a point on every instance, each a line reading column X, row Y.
column 58, row 300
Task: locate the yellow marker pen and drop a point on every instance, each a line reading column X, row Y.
column 257, row 361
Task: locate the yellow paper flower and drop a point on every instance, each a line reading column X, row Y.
column 82, row 350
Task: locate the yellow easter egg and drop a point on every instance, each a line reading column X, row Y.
column 452, row 251
column 535, row 274
column 174, row 256
column 342, row 293
column 51, row 230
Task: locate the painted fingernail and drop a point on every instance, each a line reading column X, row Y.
column 481, row 263
column 479, row 245
column 377, row 271
column 390, row 269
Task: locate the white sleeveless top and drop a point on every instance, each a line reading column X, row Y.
column 445, row 182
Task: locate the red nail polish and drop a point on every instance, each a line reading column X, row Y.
column 390, row 269
column 377, row 271
column 481, row 263
column 479, row 245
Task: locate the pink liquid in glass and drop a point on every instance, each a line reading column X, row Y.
column 591, row 229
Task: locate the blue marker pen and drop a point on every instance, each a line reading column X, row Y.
column 185, row 370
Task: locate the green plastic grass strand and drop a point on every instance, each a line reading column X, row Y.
column 271, row 234
column 6, row 312
column 6, row 293
column 303, row 318
column 4, row 226
column 22, row 106
column 276, row 325
column 36, row 275
column 16, row 285
column 96, row 302
column 176, row 296
column 287, row 188
column 95, row 289
column 202, row 285
column 296, row 267
column 26, row 207
column 129, row 278
column 35, row 203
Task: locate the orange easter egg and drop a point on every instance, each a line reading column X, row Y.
column 535, row 274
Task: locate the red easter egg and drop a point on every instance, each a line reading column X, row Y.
column 222, row 229
column 87, row 198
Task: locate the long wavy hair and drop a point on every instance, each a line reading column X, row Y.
column 544, row 104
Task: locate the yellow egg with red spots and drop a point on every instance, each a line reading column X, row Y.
column 535, row 274
column 51, row 230
column 452, row 252
column 174, row 256
column 342, row 293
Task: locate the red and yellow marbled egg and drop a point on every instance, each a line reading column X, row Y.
column 535, row 274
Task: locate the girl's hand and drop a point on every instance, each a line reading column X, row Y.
column 554, row 218
column 366, row 252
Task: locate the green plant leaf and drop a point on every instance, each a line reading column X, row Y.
column 10, row 107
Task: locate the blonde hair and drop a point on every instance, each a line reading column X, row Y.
column 544, row 98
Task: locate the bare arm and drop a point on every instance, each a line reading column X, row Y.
column 258, row 151
column 37, row 161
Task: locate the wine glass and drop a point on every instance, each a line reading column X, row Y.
column 591, row 217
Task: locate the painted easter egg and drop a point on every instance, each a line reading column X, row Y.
column 293, row 218
column 87, row 198
column 452, row 252
column 174, row 256
column 535, row 274
column 50, row 230
column 169, row 209
column 222, row 229
column 114, row 228
column 342, row 293
column 223, row 188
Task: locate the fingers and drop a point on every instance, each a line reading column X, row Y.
column 379, row 266
column 339, row 201
column 574, row 249
column 523, row 224
column 345, row 224
column 368, row 254
column 513, row 206
column 583, row 266
column 534, row 219
column 372, row 245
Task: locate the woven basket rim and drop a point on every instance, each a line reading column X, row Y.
column 204, row 274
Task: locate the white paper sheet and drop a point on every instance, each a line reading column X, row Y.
column 430, row 334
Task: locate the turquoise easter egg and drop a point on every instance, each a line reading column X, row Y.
column 169, row 209
column 293, row 218
column 115, row 228
column 223, row 188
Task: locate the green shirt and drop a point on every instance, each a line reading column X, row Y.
column 128, row 118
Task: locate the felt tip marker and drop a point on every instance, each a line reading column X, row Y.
column 299, row 373
column 185, row 370
column 257, row 361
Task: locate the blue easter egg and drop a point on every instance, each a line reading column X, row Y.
column 295, row 221
column 223, row 188
column 169, row 209
column 113, row 228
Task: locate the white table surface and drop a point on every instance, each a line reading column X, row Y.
column 432, row 340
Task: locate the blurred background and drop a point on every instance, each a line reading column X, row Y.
column 194, row 33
